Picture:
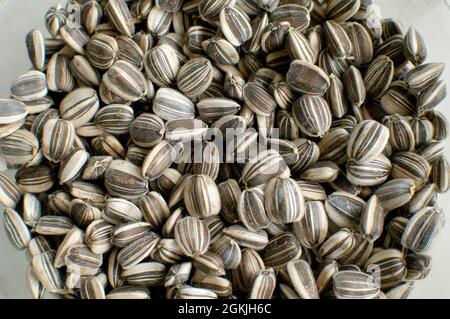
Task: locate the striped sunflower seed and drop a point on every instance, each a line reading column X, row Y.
column 118, row 211
column 410, row 165
column 30, row 86
column 302, row 278
column 230, row 193
column 372, row 219
column 137, row 251
column 147, row 130
column 395, row 193
column 115, row 119
column 369, row 173
column 259, row 99
column 130, row 51
column 221, row 51
column 281, row 250
column 244, row 275
column 362, row 44
column 263, row 285
column 91, row 15
column 19, row 148
column 124, row 179
column 401, row 135
column 83, row 213
column 107, row 144
column 379, row 76
column 229, row 251
column 154, row 209
column 414, row 47
column 31, row 209
column 341, row 11
column 16, row 230
column 161, row 65
column 312, row 229
column 421, row 230
column 264, row 167
column 423, row 76
column 83, row 71
column 235, row 25
column 354, row 86
column 147, row 274
column 55, row 18
column 201, row 196
column 57, row 139
column 247, row 238
column 74, row 36
column 367, row 141
column 284, row 201
column 339, row 44
column 388, row 266
column 158, row 160
column 321, row 172
column 432, row 96
column 35, row 179
column 422, row 198
column 50, row 278
column 98, row 236
column 333, row 146
column 72, row 166
column 297, row 15
column 192, row 236
column 209, row 263
column 102, row 51
column 92, row 288
column 80, row 257
column 251, row 209
column 299, row 47
column 159, row 21
column 335, row 97
column 440, row 174
column 54, row 225
column 195, row 76
column 344, row 209
column 337, row 245
column 79, row 106
column 355, row 285
column 126, row 81
column 120, row 16
column 312, row 115
column 399, row 100
column 304, row 77
column 59, row 76
column 36, row 49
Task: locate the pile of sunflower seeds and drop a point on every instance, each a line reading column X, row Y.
column 112, row 198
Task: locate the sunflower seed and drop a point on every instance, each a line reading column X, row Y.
column 98, row 236
column 369, row 173
column 432, row 96
column 244, row 275
column 321, row 172
column 235, row 25
column 83, row 71
column 34, row 286
column 251, row 209
column 120, row 16
column 126, row 81
column 19, row 148
column 129, row 292
column 195, row 76
column 16, row 230
column 388, row 266
column 125, row 180
column 30, row 86
column 48, row 275
column 161, row 65
column 55, row 18
column 304, row 77
column 35, row 179
column 192, row 236
column 115, row 119
column 379, row 76
column 414, row 47
column 395, row 193
column 355, row 285
column 74, row 36
column 410, row 165
column 344, row 209
column 302, row 278
column 423, row 76
column 297, row 15
column 337, row 245
column 54, row 225
column 247, row 238
column 367, row 141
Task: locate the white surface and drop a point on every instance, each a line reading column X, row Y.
column 430, row 17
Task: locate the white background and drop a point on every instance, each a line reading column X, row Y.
column 430, row 17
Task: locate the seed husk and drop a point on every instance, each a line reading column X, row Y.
column 36, row 49
column 247, row 238
column 251, row 209
column 125, row 180
column 102, row 51
column 120, row 16
column 161, row 65
column 304, row 77
column 297, row 15
column 337, row 245
column 284, row 201
column 421, row 229
column 30, row 86
column 369, row 173
column 395, row 193
column 251, row 264
column 432, row 96
column 126, row 81
column 312, row 115
column 367, row 141
column 83, row 71
column 195, row 76
column 302, row 278
column 410, row 165
column 192, row 236
column 48, row 275
column 414, row 48
column 355, row 285
column 379, row 76
column 137, row 251
column 423, row 76
column 235, row 25
column 388, row 266
column 57, row 139
column 35, row 179
column 259, row 99
column 159, row 21
column 321, row 172
column 74, row 36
